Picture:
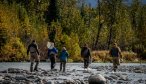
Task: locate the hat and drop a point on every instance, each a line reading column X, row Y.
column 63, row 48
column 50, row 45
column 33, row 40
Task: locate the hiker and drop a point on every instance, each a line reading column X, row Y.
column 63, row 59
column 52, row 53
column 86, row 55
column 115, row 52
column 34, row 55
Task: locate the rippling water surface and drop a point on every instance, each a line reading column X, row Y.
column 46, row 65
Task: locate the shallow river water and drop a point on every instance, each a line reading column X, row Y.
column 127, row 73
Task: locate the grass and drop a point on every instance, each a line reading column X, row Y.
column 103, row 56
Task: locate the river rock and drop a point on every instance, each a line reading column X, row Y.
column 49, row 82
column 114, row 77
column 79, row 82
column 119, row 82
column 1, row 78
column 97, row 79
column 21, row 78
column 6, row 82
column 138, row 70
column 108, row 78
column 5, row 71
column 31, row 77
column 14, row 70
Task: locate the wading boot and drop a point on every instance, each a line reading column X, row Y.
column 31, row 67
column 36, row 66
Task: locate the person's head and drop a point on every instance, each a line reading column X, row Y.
column 85, row 45
column 115, row 44
column 63, row 48
column 33, row 41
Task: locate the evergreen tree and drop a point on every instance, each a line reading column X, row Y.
column 52, row 14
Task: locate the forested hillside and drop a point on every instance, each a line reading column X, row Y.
column 71, row 23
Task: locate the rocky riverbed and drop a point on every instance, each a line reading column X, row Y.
column 75, row 74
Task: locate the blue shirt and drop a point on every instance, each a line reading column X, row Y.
column 53, row 50
column 64, row 55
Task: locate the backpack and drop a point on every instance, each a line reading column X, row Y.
column 85, row 53
column 52, row 53
column 32, row 49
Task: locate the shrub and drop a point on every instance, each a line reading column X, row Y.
column 70, row 60
column 71, row 43
column 103, row 56
column 129, row 56
column 14, row 50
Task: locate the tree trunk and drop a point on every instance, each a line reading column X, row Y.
column 99, row 27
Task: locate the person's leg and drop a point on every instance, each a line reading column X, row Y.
column 61, row 65
column 37, row 63
column 31, row 64
column 117, row 62
column 64, row 66
column 53, row 61
column 114, row 64
column 85, row 63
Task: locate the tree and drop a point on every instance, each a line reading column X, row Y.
column 99, row 26
column 52, row 14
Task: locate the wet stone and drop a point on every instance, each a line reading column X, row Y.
column 6, row 82
column 20, row 78
column 14, row 70
column 5, row 71
column 1, row 78
column 79, row 82
column 141, row 81
column 119, row 82
column 114, row 77
column 108, row 78
column 95, row 79
column 31, row 77
column 49, row 82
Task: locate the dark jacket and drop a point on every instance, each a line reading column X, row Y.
column 85, row 52
column 33, row 48
column 115, row 52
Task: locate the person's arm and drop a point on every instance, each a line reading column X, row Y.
column 28, row 49
column 120, row 52
column 89, row 53
column 81, row 52
column 48, row 53
column 110, row 52
column 37, row 49
column 67, row 54
column 56, row 51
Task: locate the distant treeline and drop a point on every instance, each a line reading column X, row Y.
column 70, row 23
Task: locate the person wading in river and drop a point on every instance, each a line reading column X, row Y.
column 34, row 55
column 115, row 52
column 86, row 55
column 63, row 59
column 52, row 53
